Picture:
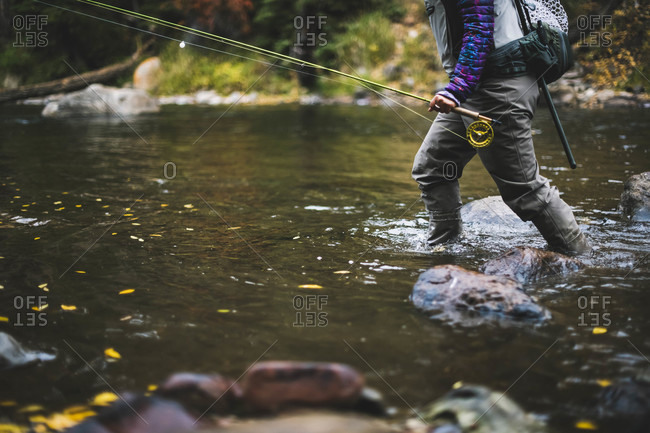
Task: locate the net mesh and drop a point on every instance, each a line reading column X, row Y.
column 549, row 11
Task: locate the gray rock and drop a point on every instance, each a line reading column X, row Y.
column 635, row 200
column 490, row 215
column 476, row 409
column 450, row 292
column 13, row 355
column 101, row 100
column 526, row 264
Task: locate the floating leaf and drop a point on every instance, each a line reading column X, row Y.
column 152, row 388
column 189, row 229
column 80, row 272
column 8, row 403
column 37, row 238
column 457, row 385
column 98, row 199
column 11, row 428
column 128, row 214
column 104, row 399
column 68, row 307
column 42, row 286
column 164, row 205
column 223, row 311
column 1, row 287
column 31, row 408
column 586, row 425
column 59, row 209
column 604, row 382
column 40, row 307
column 234, row 228
column 122, row 319
column 136, row 224
column 4, row 319
column 112, row 353
column 155, row 235
column 133, row 237
column 77, row 205
column 126, row 291
column 105, row 206
column 188, row 206
column 310, row 286
column 342, row 272
column 599, row 330
column 113, row 234
column 57, row 202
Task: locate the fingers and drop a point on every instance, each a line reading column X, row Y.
column 441, row 104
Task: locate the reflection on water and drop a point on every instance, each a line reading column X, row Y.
column 272, row 198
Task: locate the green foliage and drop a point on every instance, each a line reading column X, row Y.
column 188, row 70
column 368, row 42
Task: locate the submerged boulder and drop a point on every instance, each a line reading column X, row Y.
column 491, row 214
column 526, row 264
column 451, row 292
column 635, row 200
column 13, row 354
column 274, row 385
column 201, row 392
column 477, row 409
column 101, row 100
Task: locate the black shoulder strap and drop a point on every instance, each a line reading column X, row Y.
column 524, row 16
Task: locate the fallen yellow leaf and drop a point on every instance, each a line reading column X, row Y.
column 112, row 353
column 57, row 202
column 104, row 399
column 342, row 272
column 310, row 286
column 4, row 319
column 604, row 382
column 234, row 228
column 31, row 408
column 11, row 428
column 188, row 206
column 40, row 307
column 599, row 330
column 68, row 307
column 77, row 205
column 80, row 272
column 586, row 425
column 457, row 385
column 126, row 292
column 42, row 286
column 37, row 238
column 8, row 403
column 223, row 311
column 164, row 205
column 152, row 388
column 155, row 235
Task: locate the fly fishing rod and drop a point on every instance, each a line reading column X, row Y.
column 479, row 133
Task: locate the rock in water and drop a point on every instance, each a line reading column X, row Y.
column 526, row 264
column 101, row 100
column 317, row 422
column 147, row 74
column 448, row 291
column 635, row 200
column 491, row 214
column 476, row 409
column 273, row 385
column 12, row 354
column 201, row 392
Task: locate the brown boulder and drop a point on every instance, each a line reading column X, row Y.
column 450, row 292
column 635, row 200
column 526, row 264
column 201, row 392
column 273, row 385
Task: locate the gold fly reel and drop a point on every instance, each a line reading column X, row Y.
column 480, row 134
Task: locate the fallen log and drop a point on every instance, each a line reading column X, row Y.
column 73, row 82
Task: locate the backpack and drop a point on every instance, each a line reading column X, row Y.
column 546, row 49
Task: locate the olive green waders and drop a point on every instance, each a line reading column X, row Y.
column 510, row 160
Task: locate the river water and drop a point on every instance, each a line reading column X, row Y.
column 215, row 217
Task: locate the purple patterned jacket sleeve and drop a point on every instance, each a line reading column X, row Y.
column 478, row 41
